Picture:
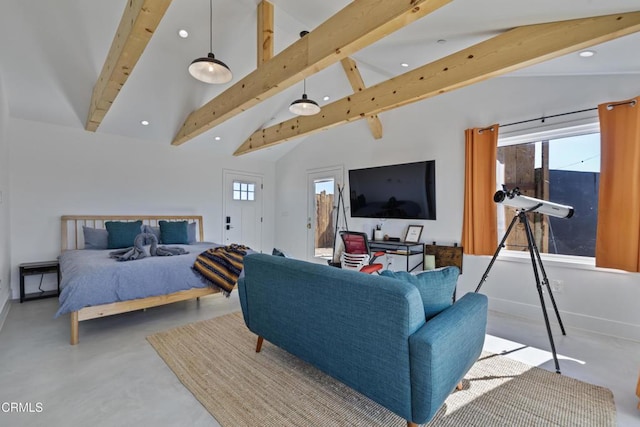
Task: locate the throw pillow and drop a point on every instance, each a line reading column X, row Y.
column 174, row 232
column 122, row 234
column 435, row 286
column 278, row 252
column 95, row 238
column 191, row 233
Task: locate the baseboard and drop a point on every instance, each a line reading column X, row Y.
column 572, row 320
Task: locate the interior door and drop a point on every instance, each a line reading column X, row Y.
column 242, row 213
column 323, row 185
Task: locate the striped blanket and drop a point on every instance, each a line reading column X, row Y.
column 220, row 267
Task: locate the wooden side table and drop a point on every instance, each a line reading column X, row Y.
column 42, row 268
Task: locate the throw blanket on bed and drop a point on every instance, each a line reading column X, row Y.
column 220, row 267
column 137, row 250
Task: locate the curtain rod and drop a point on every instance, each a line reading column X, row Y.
column 543, row 118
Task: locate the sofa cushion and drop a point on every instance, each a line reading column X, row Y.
column 435, row 286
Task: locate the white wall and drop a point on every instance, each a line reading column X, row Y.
column 59, row 170
column 5, row 270
column 597, row 300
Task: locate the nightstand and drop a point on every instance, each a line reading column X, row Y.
column 42, row 268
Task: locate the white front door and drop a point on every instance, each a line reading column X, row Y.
column 323, row 185
column 242, row 213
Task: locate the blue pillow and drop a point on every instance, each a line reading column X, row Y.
column 95, row 238
column 277, row 252
column 174, row 232
column 191, row 233
column 435, row 286
column 122, row 234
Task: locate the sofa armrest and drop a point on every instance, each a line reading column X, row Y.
column 443, row 350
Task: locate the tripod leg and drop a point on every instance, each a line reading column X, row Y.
column 545, row 281
column 335, row 233
column 532, row 249
column 495, row 255
column 344, row 209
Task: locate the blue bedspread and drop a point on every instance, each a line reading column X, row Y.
column 90, row 277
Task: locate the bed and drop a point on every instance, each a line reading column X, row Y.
column 94, row 285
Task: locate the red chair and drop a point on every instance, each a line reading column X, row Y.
column 357, row 254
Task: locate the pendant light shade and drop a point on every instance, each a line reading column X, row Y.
column 304, row 106
column 209, row 69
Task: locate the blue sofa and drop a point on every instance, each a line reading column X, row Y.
column 367, row 331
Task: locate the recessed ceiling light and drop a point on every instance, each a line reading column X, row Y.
column 326, row 98
column 404, row 64
column 144, row 123
column 587, row 53
column 217, row 138
column 183, row 34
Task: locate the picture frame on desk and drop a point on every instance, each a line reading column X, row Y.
column 413, row 234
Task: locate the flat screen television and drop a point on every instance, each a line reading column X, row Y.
column 404, row 191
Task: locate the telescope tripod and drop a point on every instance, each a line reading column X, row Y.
column 536, row 262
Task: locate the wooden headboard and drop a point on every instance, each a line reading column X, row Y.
column 73, row 238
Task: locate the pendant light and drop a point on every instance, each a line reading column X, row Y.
column 209, row 69
column 304, row 106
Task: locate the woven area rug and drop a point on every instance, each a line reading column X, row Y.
column 216, row 360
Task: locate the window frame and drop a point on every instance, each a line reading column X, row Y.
column 249, row 190
column 524, row 136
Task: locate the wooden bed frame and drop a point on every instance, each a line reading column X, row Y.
column 72, row 238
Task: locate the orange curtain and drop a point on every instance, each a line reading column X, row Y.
column 480, row 228
column 618, row 233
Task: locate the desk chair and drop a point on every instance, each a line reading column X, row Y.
column 357, row 254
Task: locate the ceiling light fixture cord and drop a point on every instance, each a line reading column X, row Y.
column 209, row 69
column 304, row 106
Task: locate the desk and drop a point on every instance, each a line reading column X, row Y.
column 44, row 267
column 405, row 249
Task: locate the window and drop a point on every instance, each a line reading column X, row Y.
column 562, row 166
column 244, row 191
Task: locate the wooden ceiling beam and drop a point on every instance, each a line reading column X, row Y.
column 355, row 78
column 265, row 32
column 138, row 23
column 359, row 24
column 512, row 50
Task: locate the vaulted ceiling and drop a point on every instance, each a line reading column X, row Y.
column 51, row 54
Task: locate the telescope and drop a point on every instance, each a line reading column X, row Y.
column 514, row 199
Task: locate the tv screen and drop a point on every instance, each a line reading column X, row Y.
column 406, row 191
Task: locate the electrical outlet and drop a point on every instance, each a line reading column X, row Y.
column 557, row 286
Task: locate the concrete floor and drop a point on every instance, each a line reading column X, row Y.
column 115, row 378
